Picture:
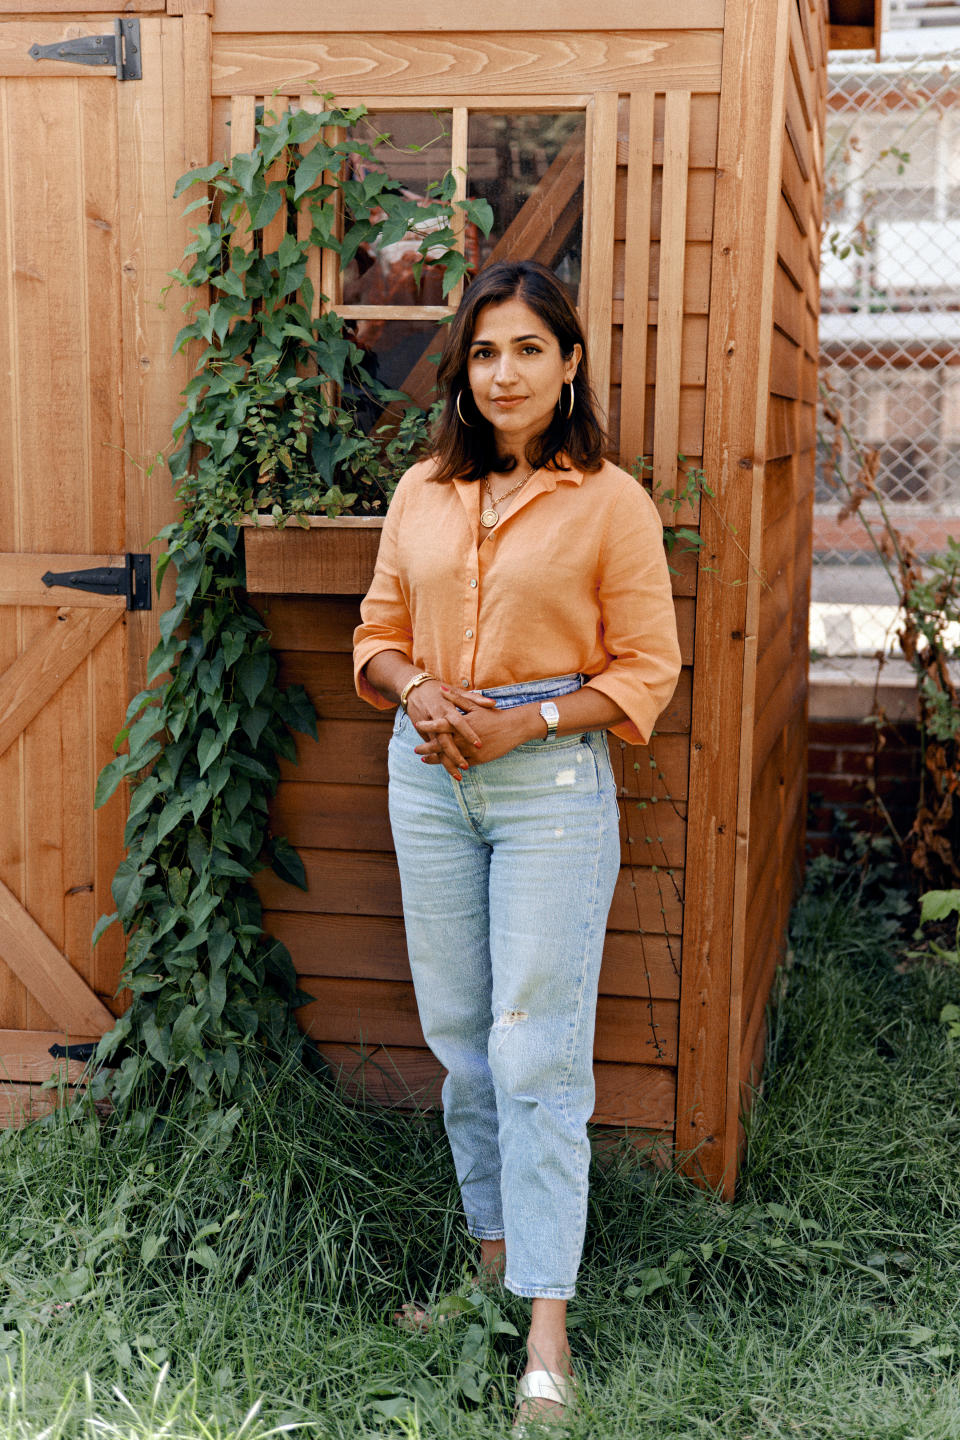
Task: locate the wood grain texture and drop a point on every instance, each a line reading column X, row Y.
column 373, row 947
column 315, row 561
column 366, row 883
column 636, row 295
column 755, row 57
column 155, row 150
column 19, row 1104
column 361, row 16
column 354, row 817
column 378, row 1012
column 666, row 421
column 25, row 1056
column 47, row 973
column 21, row 581
column 459, row 64
column 35, row 677
column 18, row 35
column 407, row 1078
column 600, row 184
column 197, row 102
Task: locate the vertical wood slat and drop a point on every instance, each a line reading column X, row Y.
column 154, row 149
column 273, row 233
column 12, row 994
column 164, row 130
column 458, row 164
column 673, row 226
column 600, row 187
column 331, row 279
column 304, row 227
column 243, row 135
column 738, row 358
column 636, row 291
column 197, row 99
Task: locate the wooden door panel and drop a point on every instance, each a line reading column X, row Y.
column 61, row 702
column 87, row 170
column 63, row 667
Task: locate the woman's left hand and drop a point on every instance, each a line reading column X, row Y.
column 499, row 731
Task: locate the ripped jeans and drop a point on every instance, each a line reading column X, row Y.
column 507, row 878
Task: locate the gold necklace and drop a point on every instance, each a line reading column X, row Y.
column 491, row 516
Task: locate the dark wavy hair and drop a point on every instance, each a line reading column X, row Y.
column 468, row 452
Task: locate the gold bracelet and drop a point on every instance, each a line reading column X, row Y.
column 412, row 684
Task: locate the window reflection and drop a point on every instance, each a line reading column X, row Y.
column 530, row 169
column 417, row 154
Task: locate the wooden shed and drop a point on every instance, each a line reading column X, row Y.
column 672, row 174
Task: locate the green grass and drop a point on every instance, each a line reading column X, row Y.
column 160, row 1283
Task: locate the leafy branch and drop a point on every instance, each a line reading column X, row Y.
column 281, row 414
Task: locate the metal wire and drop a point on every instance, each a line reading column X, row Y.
column 890, row 316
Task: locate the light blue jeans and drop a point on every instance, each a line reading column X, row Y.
column 507, row 878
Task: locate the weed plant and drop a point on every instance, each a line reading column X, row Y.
column 163, row 1280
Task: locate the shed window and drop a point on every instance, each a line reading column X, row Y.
column 529, row 167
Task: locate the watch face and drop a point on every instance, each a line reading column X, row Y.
column 550, row 713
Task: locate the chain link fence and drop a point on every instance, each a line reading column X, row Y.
column 890, row 325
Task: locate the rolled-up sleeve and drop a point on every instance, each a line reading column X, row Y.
column 639, row 627
column 384, row 612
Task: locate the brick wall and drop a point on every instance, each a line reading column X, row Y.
column 849, row 763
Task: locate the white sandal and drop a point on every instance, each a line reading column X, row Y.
column 546, row 1385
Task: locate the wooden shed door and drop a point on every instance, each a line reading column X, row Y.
column 77, row 168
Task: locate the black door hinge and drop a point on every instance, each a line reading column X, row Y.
column 131, row 580
column 121, row 50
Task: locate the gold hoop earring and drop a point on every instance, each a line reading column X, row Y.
column 569, row 413
column 460, row 412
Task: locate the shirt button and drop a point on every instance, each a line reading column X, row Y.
column 473, row 584
column 469, row 634
column 465, row 680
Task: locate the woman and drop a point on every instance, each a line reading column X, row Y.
column 520, row 608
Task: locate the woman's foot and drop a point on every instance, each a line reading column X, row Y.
column 488, row 1276
column 548, row 1350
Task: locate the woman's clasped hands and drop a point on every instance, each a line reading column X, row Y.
column 460, row 728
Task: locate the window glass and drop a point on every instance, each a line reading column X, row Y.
column 530, row 169
column 416, row 152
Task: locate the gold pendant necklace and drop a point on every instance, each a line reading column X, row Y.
column 491, row 516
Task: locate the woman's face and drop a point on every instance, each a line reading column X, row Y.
column 516, row 371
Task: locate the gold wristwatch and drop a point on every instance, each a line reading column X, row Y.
column 412, row 684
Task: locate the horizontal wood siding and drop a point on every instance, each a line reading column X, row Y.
column 778, row 792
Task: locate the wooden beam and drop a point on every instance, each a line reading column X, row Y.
column 163, row 127
column 599, row 205
column 47, row 973
column 636, row 288
column 37, row 674
column 744, row 260
column 673, row 244
column 358, row 16
column 852, row 37
column 459, row 66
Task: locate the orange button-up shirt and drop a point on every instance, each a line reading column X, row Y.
column 574, row 578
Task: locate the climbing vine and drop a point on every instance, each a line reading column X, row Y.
column 283, row 415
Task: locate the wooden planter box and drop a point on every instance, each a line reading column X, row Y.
column 332, row 557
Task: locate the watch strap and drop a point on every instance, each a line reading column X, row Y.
column 550, row 713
